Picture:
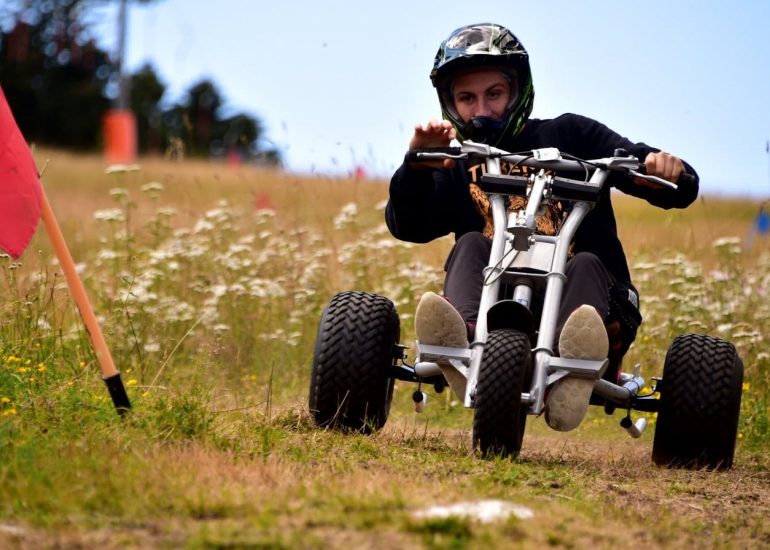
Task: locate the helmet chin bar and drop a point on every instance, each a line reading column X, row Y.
column 484, row 129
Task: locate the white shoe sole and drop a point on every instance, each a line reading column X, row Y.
column 437, row 323
column 583, row 337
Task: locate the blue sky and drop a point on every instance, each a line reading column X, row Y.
column 339, row 83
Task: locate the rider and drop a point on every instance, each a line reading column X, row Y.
column 484, row 84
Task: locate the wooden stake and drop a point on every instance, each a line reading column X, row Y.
column 110, row 374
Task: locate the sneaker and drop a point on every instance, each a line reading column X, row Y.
column 583, row 337
column 437, row 323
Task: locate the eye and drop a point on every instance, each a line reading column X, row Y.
column 495, row 93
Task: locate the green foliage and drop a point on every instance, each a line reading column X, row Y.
column 60, row 83
column 450, row 533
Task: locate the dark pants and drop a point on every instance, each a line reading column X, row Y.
column 588, row 282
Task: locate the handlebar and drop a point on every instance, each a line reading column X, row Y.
column 549, row 159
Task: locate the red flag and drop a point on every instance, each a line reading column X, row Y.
column 19, row 186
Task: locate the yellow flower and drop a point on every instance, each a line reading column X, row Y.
column 746, row 386
column 5, row 399
column 22, row 370
column 41, row 367
column 9, row 412
column 132, row 382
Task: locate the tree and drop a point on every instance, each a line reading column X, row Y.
column 53, row 73
column 202, row 107
column 146, row 93
column 60, row 84
column 197, row 121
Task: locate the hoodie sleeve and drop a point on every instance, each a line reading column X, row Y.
column 425, row 204
column 604, row 142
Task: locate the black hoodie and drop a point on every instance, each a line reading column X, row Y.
column 426, row 204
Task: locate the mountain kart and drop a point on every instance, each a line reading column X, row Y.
column 506, row 371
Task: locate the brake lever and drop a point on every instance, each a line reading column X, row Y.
column 655, row 179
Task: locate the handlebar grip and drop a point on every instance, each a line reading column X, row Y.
column 684, row 177
column 413, row 155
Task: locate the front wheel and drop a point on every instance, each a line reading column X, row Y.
column 700, row 401
column 499, row 416
column 349, row 386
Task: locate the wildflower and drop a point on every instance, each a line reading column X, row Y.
column 9, row 412
column 119, row 193
column 109, row 215
column 152, row 347
column 723, row 242
column 718, row 275
column 746, row 386
column 676, row 260
column 121, row 168
column 165, row 211
column 132, row 382
column 41, row 367
column 107, row 254
column 5, row 399
column 346, row 215
column 202, row 226
column 152, row 187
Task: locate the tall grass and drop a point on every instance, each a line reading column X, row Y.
column 209, row 282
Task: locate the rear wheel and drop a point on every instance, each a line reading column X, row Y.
column 349, row 386
column 700, row 401
column 499, row 417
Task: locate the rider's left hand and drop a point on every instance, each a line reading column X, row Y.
column 663, row 165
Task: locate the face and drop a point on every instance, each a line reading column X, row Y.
column 485, row 92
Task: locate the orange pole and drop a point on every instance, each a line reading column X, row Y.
column 110, row 374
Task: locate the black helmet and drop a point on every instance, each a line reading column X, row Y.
column 479, row 46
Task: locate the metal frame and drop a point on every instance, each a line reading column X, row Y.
column 541, row 267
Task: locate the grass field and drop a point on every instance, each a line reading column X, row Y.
column 209, row 281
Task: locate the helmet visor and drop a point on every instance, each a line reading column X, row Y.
column 479, row 39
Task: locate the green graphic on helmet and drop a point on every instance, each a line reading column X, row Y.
column 484, row 45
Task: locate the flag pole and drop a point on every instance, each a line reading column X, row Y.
column 110, row 374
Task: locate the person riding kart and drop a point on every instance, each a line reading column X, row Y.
column 485, row 89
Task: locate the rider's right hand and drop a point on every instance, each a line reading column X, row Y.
column 433, row 134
